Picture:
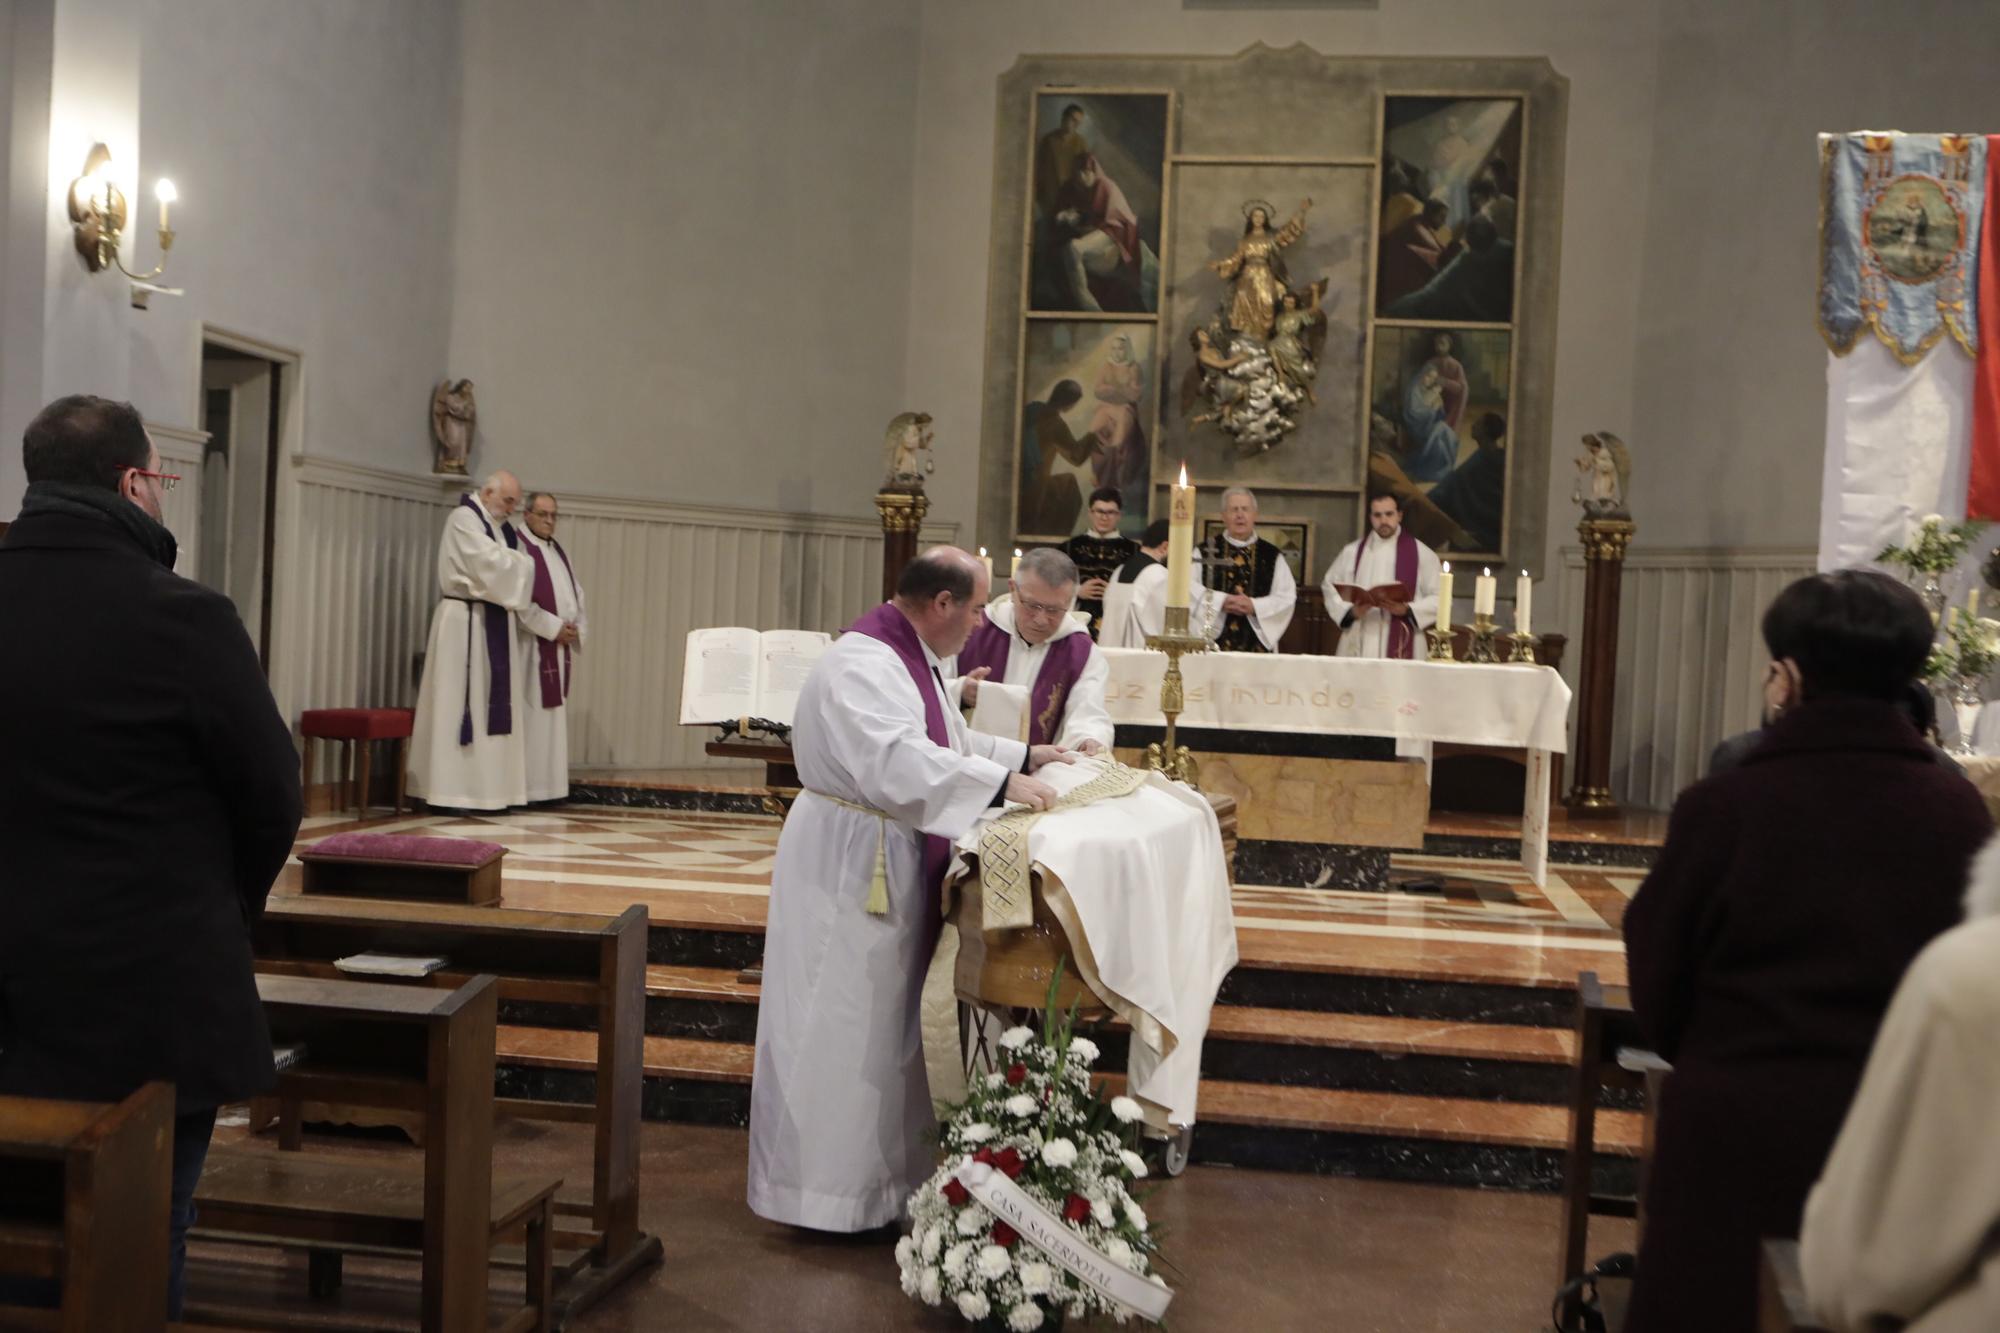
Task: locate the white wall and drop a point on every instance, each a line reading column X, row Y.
column 683, row 248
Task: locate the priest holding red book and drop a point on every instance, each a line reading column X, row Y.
column 1382, row 590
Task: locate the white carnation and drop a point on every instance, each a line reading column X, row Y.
column 1013, row 1039
column 973, row 1305
column 1133, row 1163
column 1020, row 1104
column 930, row 1288
column 1037, row 1279
column 977, row 1132
column 971, row 1220
column 1118, row 1252
column 931, row 1243
column 994, row 1263
column 1126, row 1110
column 1135, row 1215
column 1025, row 1317
column 905, row 1248
column 995, row 1079
column 1100, row 1209
column 1059, row 1153
column 954, row 1261
column 1083, row 1050
column 1933, row 520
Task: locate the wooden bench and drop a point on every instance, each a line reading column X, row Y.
column 596, row 964
column 404, row 1048
column 84, row 1195
column 402, row 866
column 1781, row 1296
column 1605, row 1027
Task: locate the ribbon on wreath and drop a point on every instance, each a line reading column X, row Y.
column 1055, row 1238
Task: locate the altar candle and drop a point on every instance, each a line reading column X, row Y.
column 1444, row 599
column 1972, row 604
column 1951, row 620
column 1524, row 603
column 1180, row 541
column 1482, row 593
column 1013, row 562
column 987, row 561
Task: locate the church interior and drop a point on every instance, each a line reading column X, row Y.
column 1009, row 665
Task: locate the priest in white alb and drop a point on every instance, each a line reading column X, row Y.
column 1031, row 644
column 1384, row 624
column 1135, row 603
column 466, row 751
column 1252, row 578
column 840, row 1107
column 551, row 666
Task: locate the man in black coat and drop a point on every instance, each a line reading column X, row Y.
column 150, row 796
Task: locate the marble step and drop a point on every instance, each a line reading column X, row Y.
column 1338, row 1131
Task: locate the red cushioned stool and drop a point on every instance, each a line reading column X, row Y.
column 348, row 725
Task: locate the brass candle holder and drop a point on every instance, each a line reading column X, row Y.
column 1439, row 641
column 1481, row 647
column 1524, row 647
column 1166, row 756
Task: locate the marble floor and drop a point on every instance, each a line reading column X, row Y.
column 1474, row 919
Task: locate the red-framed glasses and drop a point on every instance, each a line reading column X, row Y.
column 167, row 480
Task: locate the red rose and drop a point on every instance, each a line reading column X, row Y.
column 956, row 1194
column 1004, row 1236
column 1017, row 1075
column 1076, row 1208
column 984, row 1155
column 1010, row 1162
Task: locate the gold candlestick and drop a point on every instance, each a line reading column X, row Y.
column 1166, row 756
column 1481, row 647
column 1440, row 644
column 1524, row 647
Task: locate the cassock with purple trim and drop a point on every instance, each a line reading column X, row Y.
column 840, row 1104
column 466, row 750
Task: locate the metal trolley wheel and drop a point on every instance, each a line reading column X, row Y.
column 1172, row 1150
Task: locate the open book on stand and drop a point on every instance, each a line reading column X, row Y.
column 733, row 673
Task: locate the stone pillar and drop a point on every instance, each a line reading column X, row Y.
column 1604, row 543
column 902, row 514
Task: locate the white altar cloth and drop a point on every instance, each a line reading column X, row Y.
column 1145, row 877
column 1524, row 707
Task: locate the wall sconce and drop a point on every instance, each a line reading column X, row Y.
column 97, row 207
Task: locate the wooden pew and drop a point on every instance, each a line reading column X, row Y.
column 594, row 963
column 84, row 1194
column 1781, row 1296
column 404, row 1048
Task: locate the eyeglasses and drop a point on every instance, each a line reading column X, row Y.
column 545, row 517
column 167, row 480
column 1039, row 608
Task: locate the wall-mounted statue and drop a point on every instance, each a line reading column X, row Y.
column 906, row 452
column 1603, row 477
column 453, row 417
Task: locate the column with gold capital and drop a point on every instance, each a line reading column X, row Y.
column 1604, row 544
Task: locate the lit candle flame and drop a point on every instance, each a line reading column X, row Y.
column 1447, row 566
column 1486, row 573
column 982, row 553
column 1183, row 480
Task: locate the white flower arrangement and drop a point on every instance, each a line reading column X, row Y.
column 1043, row 1123
column 1934, row 548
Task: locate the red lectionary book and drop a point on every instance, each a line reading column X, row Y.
column 1382, row 595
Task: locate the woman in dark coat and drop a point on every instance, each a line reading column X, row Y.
column 1792, row 892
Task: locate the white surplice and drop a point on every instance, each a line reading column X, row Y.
column 840, row 1105
column 1368, row 636
column 1270, row 614
column 1084, row 717
column 491, row 772
column 1143, row 610
column 545, row 731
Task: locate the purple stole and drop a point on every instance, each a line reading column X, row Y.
column 499, row 648
column 988, row 646
column 554, row 669
column 885, row 624
column 1402, row 636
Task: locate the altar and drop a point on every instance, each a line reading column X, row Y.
column 1308, row 747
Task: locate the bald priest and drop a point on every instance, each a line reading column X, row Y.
column 1032, row 643
column 841, row 1127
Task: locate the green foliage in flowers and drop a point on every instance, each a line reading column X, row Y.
column 1935, row 548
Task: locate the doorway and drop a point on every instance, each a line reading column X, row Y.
column 241, row 409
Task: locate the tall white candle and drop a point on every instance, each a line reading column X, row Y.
column 1524, row 604
column 1972, row 604
column 1015, row 561
column 987, row 561
column 1444, row 599
column 1180, row 540
column 1482, row 593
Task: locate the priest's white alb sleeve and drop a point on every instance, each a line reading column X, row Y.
column 1085, row 716
column 1273, row 611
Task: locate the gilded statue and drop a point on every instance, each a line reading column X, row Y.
column 453, row 417
column 905, row 445
column 1258, row 267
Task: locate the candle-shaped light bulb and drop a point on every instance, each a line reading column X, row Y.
column 1180, row 540
column 166, row 194
column 1444, row 599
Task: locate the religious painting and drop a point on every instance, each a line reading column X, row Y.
column 1292, row 536
column 1450, row 217
column 1086, row 422
column 1437, row 437
column 1265, row 301
column 1094, row 201
column 1913, row 230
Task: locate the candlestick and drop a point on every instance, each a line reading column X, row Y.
column 1524, row 647
column 1165, row 755
column 1524, row 602
column 1483, row 589
column 1180, row 540
column 1444, row 601
column 1438, row 638
column 987, row 561
column 1480, row 648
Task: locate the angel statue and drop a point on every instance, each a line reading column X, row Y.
column 453, row 416
column 1258, row 267
column 1603, row 477
column 1297, row 336
column 907, row 441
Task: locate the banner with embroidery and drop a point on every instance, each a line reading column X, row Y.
column 1005, row 867
column 1899, row 228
